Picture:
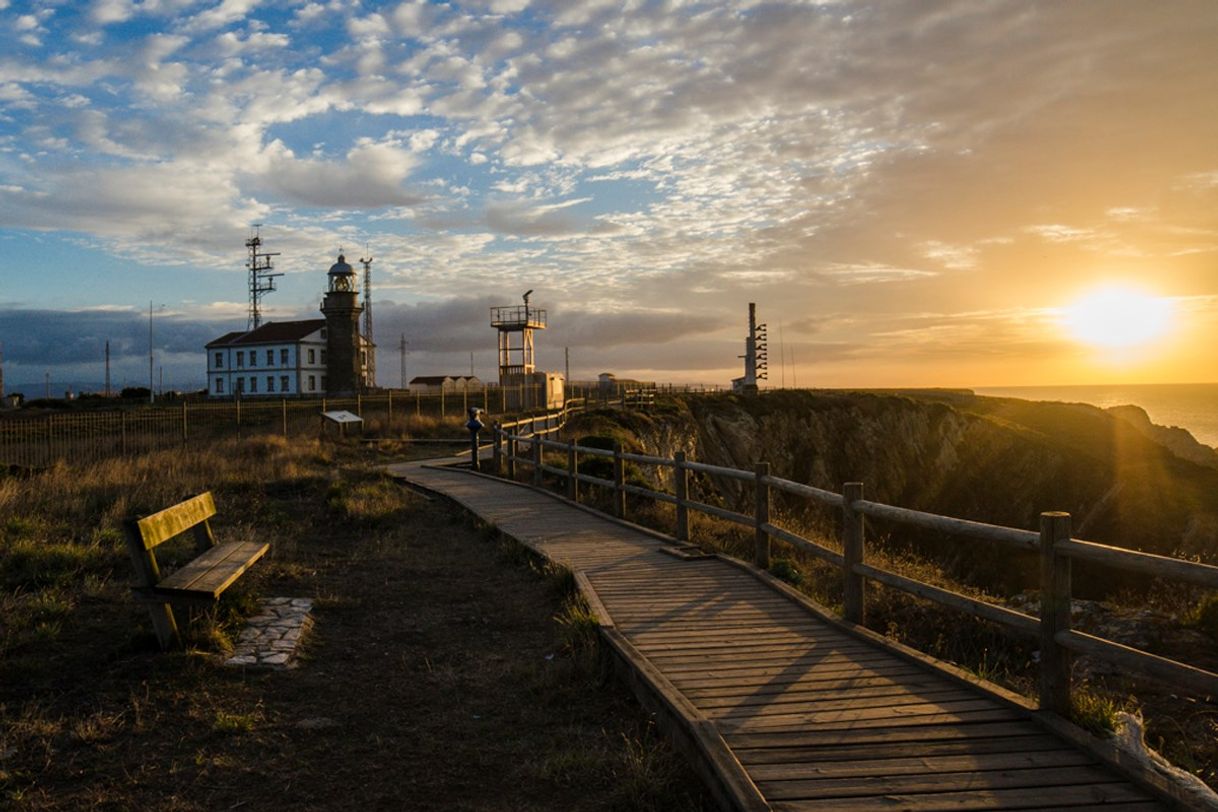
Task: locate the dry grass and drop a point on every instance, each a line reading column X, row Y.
column 433, row 646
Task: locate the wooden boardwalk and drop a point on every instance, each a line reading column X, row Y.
column 791, row 711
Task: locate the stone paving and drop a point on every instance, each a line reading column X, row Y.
column 271, row 637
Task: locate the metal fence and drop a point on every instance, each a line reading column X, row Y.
column 36, row 439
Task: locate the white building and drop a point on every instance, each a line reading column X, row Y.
column 448, row 384
column 279, row 359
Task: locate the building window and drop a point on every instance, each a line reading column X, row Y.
column 240, row 358
column 283, row 357
column 312, row 357
column 240, row 385
column 270, row 383
column 219, row 386
column 219, row 360
column 283, row 383
column 253, row 384
column 323, row 356
column 270, row 358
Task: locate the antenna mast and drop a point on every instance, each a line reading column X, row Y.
column 367, row 263
column 261, row 280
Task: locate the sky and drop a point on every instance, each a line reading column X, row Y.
column 913, row 193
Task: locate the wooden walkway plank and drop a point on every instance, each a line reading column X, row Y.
column 790, row 711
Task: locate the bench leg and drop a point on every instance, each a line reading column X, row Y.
column 165, row 625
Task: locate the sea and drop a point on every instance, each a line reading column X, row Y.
column 1191, row 406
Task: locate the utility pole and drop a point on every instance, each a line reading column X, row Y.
column 402, row 351
column 150, row 397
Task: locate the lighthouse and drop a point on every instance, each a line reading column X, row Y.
column 342, row 309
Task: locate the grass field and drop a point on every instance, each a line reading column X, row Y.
column 446, row 669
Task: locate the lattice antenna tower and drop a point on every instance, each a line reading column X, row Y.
column 367, row 263
column 262, row 281
column 761, row 351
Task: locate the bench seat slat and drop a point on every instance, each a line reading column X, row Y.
column 212, row 572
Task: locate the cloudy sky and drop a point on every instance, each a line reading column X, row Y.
column 913, row 193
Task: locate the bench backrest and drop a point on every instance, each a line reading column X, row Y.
column 170, row 522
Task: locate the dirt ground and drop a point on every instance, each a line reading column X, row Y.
column 435, row 677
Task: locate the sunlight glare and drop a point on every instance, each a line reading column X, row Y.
column 1118, row 318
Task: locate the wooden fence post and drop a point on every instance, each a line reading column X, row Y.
column 511, row 457
column 359, row 404
column 283, row 405
column 1055, row 599
column 184, row 429
column 443, row 414
column 619, row 481
column 572, row 472
column 853, row 608
column 680, row 481
column 122, row 430
column 496, row 450
column 761, row 539
column 537, row 476
column 389, row 416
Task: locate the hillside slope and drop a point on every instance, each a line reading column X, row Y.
column 996, row 460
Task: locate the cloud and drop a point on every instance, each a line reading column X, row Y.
column 106, row 12
column 817, row 158
column 230, row 43
column 532, row 219
column 371, row 176
column 220, row 15
column 81, row 336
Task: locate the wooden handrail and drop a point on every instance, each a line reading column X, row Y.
column 1053, row 543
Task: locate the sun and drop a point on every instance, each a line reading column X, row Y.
column 1118, row 318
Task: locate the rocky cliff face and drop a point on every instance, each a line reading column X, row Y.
column 988, row 459
column 1173, row 438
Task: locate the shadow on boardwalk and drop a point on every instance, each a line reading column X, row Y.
column 813, row 717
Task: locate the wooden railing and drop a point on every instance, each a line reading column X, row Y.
column 1053, row 544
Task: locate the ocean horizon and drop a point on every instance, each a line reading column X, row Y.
column 1190, row 406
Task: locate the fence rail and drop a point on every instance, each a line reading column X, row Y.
column 33, row 440
column 1053, row 544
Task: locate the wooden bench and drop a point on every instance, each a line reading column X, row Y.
column 199, row 582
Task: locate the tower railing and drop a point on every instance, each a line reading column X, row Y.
column 518, row 316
